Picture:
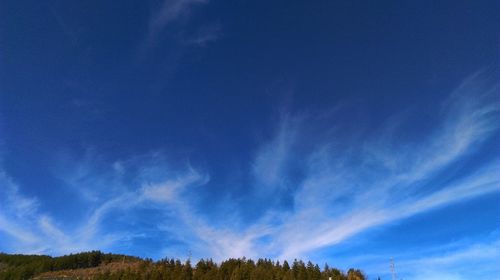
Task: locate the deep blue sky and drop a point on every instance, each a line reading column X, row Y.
column 346, row 132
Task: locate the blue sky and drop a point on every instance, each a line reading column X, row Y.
column 336, row 131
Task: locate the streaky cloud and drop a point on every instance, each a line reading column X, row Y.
column 169, row 12
column 342, row 191
column 346, row 199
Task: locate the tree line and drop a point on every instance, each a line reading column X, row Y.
column 115, row 266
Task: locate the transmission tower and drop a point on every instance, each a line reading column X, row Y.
column 393, row 270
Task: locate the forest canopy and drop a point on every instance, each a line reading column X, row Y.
column 98, row 265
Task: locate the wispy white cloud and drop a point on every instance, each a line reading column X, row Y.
column 20, row 204
column 339, row 199
column 467, row 261
column 361, row 200
column 14, row 210
column 17, row 231
column 205, row 35
column 153, row 192
column 172, row 10
column 460, row 259
column 474, row 252
column 341, row 192
column 32, row 230
column 270, row 163
column 36, row 232
column 168, row 190
column 169, row 12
